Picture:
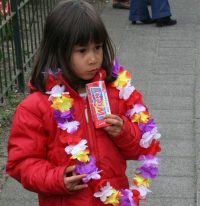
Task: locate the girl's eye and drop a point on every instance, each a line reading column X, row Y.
column 99, row 46
column 82, row 50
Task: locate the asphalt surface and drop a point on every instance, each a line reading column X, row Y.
column 165, row 64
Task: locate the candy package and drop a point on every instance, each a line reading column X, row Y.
column 99, row 104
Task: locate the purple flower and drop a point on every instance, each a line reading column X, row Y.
column 88, row 168
column 62, row 117
column 68, row 115
column 57, row 115
column 147, row 171
column 126, row 199
column 149, row 166
column 115, row 68
column 149, row 160
column 148, row 126
column 94, row 175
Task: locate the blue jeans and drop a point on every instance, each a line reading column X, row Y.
column 139, row 9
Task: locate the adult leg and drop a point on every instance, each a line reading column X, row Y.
column 139, row 10
column 161, row 13
column 160, row 8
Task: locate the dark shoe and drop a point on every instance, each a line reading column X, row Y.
column 121, row 5
column 165, row 21
column 148, row 21
column 148, row 2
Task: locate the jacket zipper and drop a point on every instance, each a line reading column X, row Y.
column 90, row 131
column 86, row 113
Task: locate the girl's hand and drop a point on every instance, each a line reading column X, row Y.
column 116, row 124
column 72, row 181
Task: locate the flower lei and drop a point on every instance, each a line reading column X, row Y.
column 62, row 105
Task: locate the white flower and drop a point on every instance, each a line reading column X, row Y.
column 105, row 192
column 56, row 91
column 137, row 108
column 147, row 137
column 76, row 149
column 125, row 92
column 94, row 175
column 141, row 189
column 71, row 127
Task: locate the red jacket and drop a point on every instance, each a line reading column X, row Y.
column 36, row 155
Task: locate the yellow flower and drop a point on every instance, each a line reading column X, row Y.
column 82, row 156
column 139, row 180
column 114, row 198
column 144, row 117
column 141, row 117
column 63, row 103
column 122, row 79
column 135, row 118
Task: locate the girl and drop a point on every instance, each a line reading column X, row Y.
column 54, row 148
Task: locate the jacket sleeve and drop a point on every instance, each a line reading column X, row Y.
column 128, row 141
column 27, row 155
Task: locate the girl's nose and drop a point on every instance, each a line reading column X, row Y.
column 92, row 58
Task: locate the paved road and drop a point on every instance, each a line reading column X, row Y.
column 165, row 63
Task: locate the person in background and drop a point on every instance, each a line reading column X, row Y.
column 161, row 14
column 121, row 4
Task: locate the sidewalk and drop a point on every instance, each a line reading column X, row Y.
column 165, row 63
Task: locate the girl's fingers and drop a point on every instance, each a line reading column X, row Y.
column 114, row 122
column 70, row 169
column 112, row 116
column 113, row 119
column 79, row 187
column 112, row 130
column 76, row 178
column 72, row 183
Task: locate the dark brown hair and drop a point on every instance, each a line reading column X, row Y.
column 70, row 23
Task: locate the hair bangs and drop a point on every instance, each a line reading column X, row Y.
column 89, row 30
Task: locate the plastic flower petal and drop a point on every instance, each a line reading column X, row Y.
column 86, row 168
column 149, row 160
column 82, row 156
column 94, row 175
column 56, row 91
column 62, row 117
column 76, row 149
column 142, row 190
column 57, row 115
column 139, row 180
column 63, row 103
column 148, row 126
column 141, row 117
column 126, row 91
column 70, row 139
column 147, row 137
column 113, row 199
column 122, row 79
column 147, row 171
column 71, row 127
column 68, row 115
column 137, row 108
column 115, row 68
column 104, row 192
column 126, row 198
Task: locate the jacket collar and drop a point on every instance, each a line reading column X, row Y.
column 58, row 79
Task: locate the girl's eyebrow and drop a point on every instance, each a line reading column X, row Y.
column 79, row 47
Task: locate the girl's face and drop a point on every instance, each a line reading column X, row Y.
column 86, row 60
